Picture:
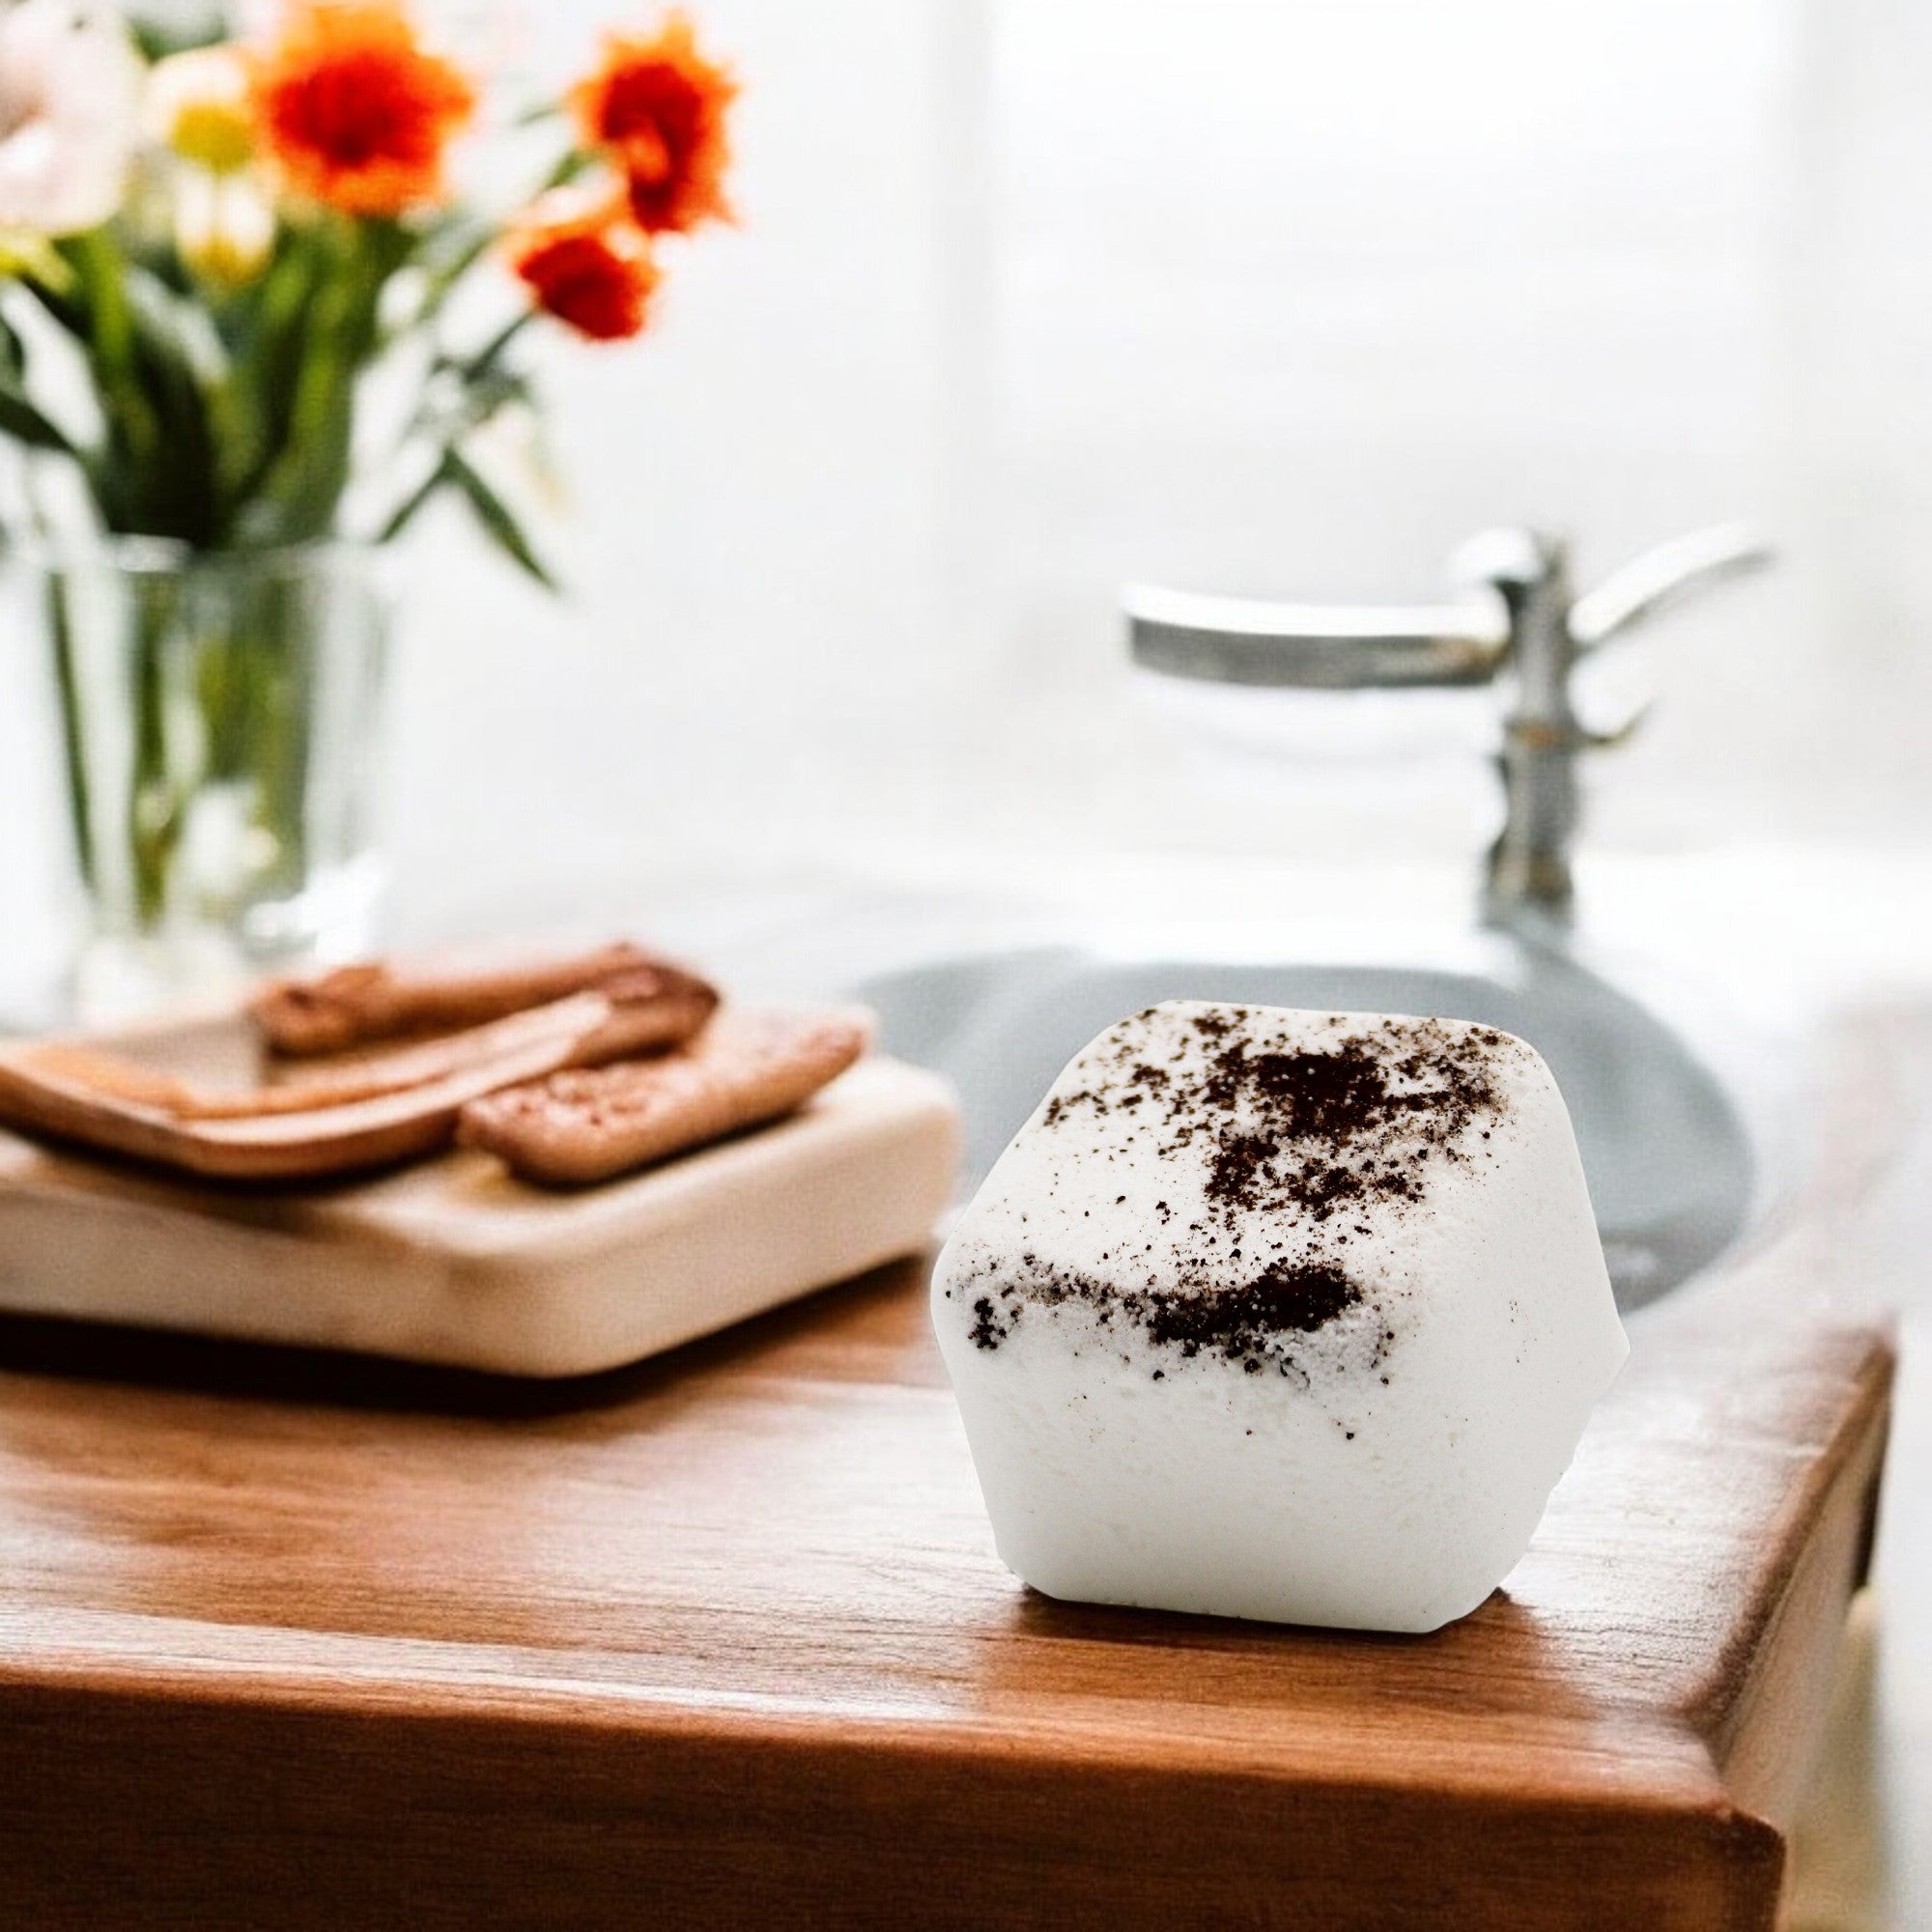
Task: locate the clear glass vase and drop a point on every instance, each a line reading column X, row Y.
column 220, row 733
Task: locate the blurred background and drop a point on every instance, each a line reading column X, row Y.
column 1033, row 297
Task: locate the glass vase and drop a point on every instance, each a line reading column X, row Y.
column 219, row 719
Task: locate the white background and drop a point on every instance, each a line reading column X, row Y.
column 1030, row 297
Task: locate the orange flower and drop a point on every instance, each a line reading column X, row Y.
column 354, row 109
column 657, row 105
column 586, row 267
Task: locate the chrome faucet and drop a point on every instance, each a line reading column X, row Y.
column 1518, row 626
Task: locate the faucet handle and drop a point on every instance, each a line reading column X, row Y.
column 1662, row 576
column 1665, row 576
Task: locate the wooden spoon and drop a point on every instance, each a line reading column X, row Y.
column 386, row 1108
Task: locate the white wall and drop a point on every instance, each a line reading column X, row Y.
column 1297, row 296
column 766, row 537
column 1033, row 296
column 1246, row 294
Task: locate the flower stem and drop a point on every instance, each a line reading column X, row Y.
column 153, row 801
column 73, row 746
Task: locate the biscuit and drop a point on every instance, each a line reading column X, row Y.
column 357, row 1006
column 625, row 1027
column 584, row 1125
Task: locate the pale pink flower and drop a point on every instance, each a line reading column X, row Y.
column 69, row 87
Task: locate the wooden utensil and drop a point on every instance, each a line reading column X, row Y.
column 381, row 1110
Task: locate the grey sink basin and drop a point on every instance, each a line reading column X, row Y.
column 1671, row 1166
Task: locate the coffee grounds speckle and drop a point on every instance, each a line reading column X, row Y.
column 1237, row 1321
column 1308, row 1131
column 1253, row 1324
column 1298, row 1144
column 986, row 1329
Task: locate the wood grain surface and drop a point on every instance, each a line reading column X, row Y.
column 289, row 1640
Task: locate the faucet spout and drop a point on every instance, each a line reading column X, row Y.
column 1313, row 646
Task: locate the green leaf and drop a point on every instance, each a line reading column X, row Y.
column 299, row 491
column 21, row 418
column 495, row 391
column 447, row 260
column 178, row 362
column 25, row 423
column 495, row 514
column 488, row 359
column 406, row 512
column 98, row 267
column 158, row 30
column 267, row 353
column 134, row 454
column 64, row 301
column 575, row 162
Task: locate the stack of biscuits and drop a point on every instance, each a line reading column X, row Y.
column 570, row 1069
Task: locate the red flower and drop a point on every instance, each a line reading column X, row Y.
column 354, row 110
column 656, row 105
column 589, row 269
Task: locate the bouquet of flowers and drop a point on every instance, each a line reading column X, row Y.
column 249, row 328
column 232, row 235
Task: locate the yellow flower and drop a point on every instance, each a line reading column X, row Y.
column 199, row 104
column 224, row 227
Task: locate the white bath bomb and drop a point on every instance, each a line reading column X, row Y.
column 1283, row 1314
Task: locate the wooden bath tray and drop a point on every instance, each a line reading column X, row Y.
column 455, row 1261
column 723, row 1641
